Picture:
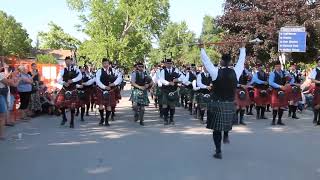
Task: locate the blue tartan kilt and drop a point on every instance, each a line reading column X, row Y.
column 139, row 97
column 221, row 115
column 182, row 91
column 202, row 101
column 189, row 95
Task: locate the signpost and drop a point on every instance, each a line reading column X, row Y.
column 292, row 39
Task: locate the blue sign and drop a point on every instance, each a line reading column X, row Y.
column 292, row 40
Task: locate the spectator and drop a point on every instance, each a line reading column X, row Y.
column 24, row 89
column 35, row 104
column 3, row 99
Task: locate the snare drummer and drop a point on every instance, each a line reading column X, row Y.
column 67, row 97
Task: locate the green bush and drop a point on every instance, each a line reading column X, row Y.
column 46, row 59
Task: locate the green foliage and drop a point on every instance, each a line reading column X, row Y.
column 120, row 29
column 14, row 40
column 46, row 59
column 56, row 38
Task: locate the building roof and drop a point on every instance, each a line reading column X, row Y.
column 59, row 54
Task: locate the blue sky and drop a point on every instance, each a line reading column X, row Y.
column 36, row 14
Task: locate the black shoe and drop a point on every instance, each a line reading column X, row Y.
column 71, row 125
column 106, row 123
column 87, row 114
column 9, row 125
column 273, row 123
column 172, row 122
column 112, row 118
column 217, row 155
column 263, row 117
column 314, row 121
column 250, row 114
column 141, row 123
column 101, row 122
column 166, row 123
column 63, row 122
column 295, row 117
column 281, row 123
column 82, row 120
column 136, row 118
column 242, row 123
column 226, row 140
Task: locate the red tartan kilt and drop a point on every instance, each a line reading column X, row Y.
column 261, row 101
column 118, row 94
column 100, row 100
column 295, row 97
column 251, row 98
column 277, row 102
column 245, row 102
column 87, row 98
column 316, row 96
column 61, row 102
column 94, row 94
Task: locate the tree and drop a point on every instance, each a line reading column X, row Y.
column 171, row 45
column 120, row 29
column 46, row 59
column 263, row 19
column 14, row 40
column 56, row 38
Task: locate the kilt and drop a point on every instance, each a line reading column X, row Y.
column 182, row 90
column 279, row 102
column 117, row 94
column 242, row 102
column 189, row 95
column 87, row 98
column 259, row 100
column 93, row 95
column 62, row 102
column 221, row 115
column 167, row 101
column 110, row 101
column 201, row 101
column 316, row 96
column 294, row 96
column 251, row 95
column 140, row 97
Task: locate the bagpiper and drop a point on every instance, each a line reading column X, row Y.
column 315, row 78
column 191, row 75
column 141, row 82
column 221, row 109
column 68, row 97
column 242, row 96
column 84, row 90
column 169, row 78
column 295, row 95
column 205, row 83
column 279, row 81
column 261, row 91
column 106, row 81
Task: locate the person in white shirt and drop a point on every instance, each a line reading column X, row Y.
column 191, row 75
column 205, row 83
column 169, row 78
column 221, row 111
column 315, row 78
column 106, row 81
column 67, row 97
column 84, row 91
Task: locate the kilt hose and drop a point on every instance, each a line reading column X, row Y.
column 221, row 115
column 139, row 97
column 62, row 102
column 109, row 101
column 260, row 98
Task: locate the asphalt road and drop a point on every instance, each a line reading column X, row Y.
column 42, row 150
